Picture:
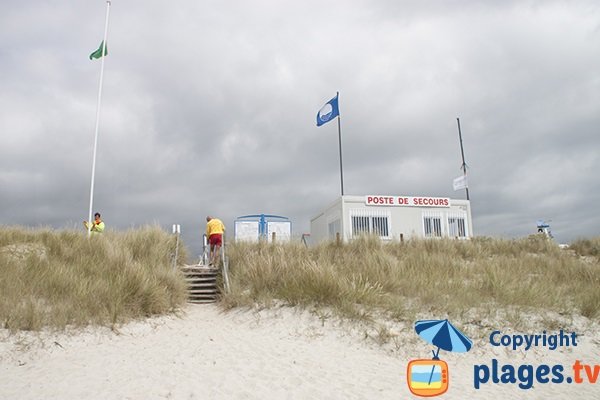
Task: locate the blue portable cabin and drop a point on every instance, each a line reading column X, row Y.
column 253, row 228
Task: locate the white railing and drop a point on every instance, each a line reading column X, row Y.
column 225, row 263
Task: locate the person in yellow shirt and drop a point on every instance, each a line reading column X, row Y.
column 214, row 233
column 97, row 225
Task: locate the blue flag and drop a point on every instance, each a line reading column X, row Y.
column 329, row 111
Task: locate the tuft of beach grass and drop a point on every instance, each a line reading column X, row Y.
column 466, row 279
column 63, row 278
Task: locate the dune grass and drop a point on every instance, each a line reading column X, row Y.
column 436, row 277
column 586, row 247
column 61, row 278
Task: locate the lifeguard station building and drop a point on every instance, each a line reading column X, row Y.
column 393, row 217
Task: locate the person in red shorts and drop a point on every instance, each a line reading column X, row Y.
column 214, row 232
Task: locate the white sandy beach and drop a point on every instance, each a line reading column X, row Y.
column 274, row 354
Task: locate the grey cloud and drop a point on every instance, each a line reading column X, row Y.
column 209, row 108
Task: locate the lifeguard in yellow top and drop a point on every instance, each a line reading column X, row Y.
column 214, row 231
column 97, row 225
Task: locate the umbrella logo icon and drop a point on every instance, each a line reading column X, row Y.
column 428, row 378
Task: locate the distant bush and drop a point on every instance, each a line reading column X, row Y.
column 59, row 278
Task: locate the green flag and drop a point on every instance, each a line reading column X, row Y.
column 98, row 53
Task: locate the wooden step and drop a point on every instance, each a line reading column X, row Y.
column 201, row 283
column 201, row 272
column 193, row 279
column 204, row 297
column 199, row 269
column 203, row 292
column 197, row 273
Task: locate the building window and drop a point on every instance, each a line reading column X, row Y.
column 457, row 225
column 380, row 226
column 360, row 225
column 432, row 224
column 374, row 222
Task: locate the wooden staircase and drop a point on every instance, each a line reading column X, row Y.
column 202, row 283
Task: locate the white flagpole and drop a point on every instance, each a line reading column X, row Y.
column 98, row 117
column 337, row 96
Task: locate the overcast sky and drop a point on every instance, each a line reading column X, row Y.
column 209, row 108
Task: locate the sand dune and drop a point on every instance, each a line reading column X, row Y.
column 272, row 354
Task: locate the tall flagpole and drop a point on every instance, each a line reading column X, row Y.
column 98, row 116
column 462, row 152
column 340, row 143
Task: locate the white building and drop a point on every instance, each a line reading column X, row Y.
column 393, row 217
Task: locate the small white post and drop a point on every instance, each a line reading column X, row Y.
column 177, row 232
